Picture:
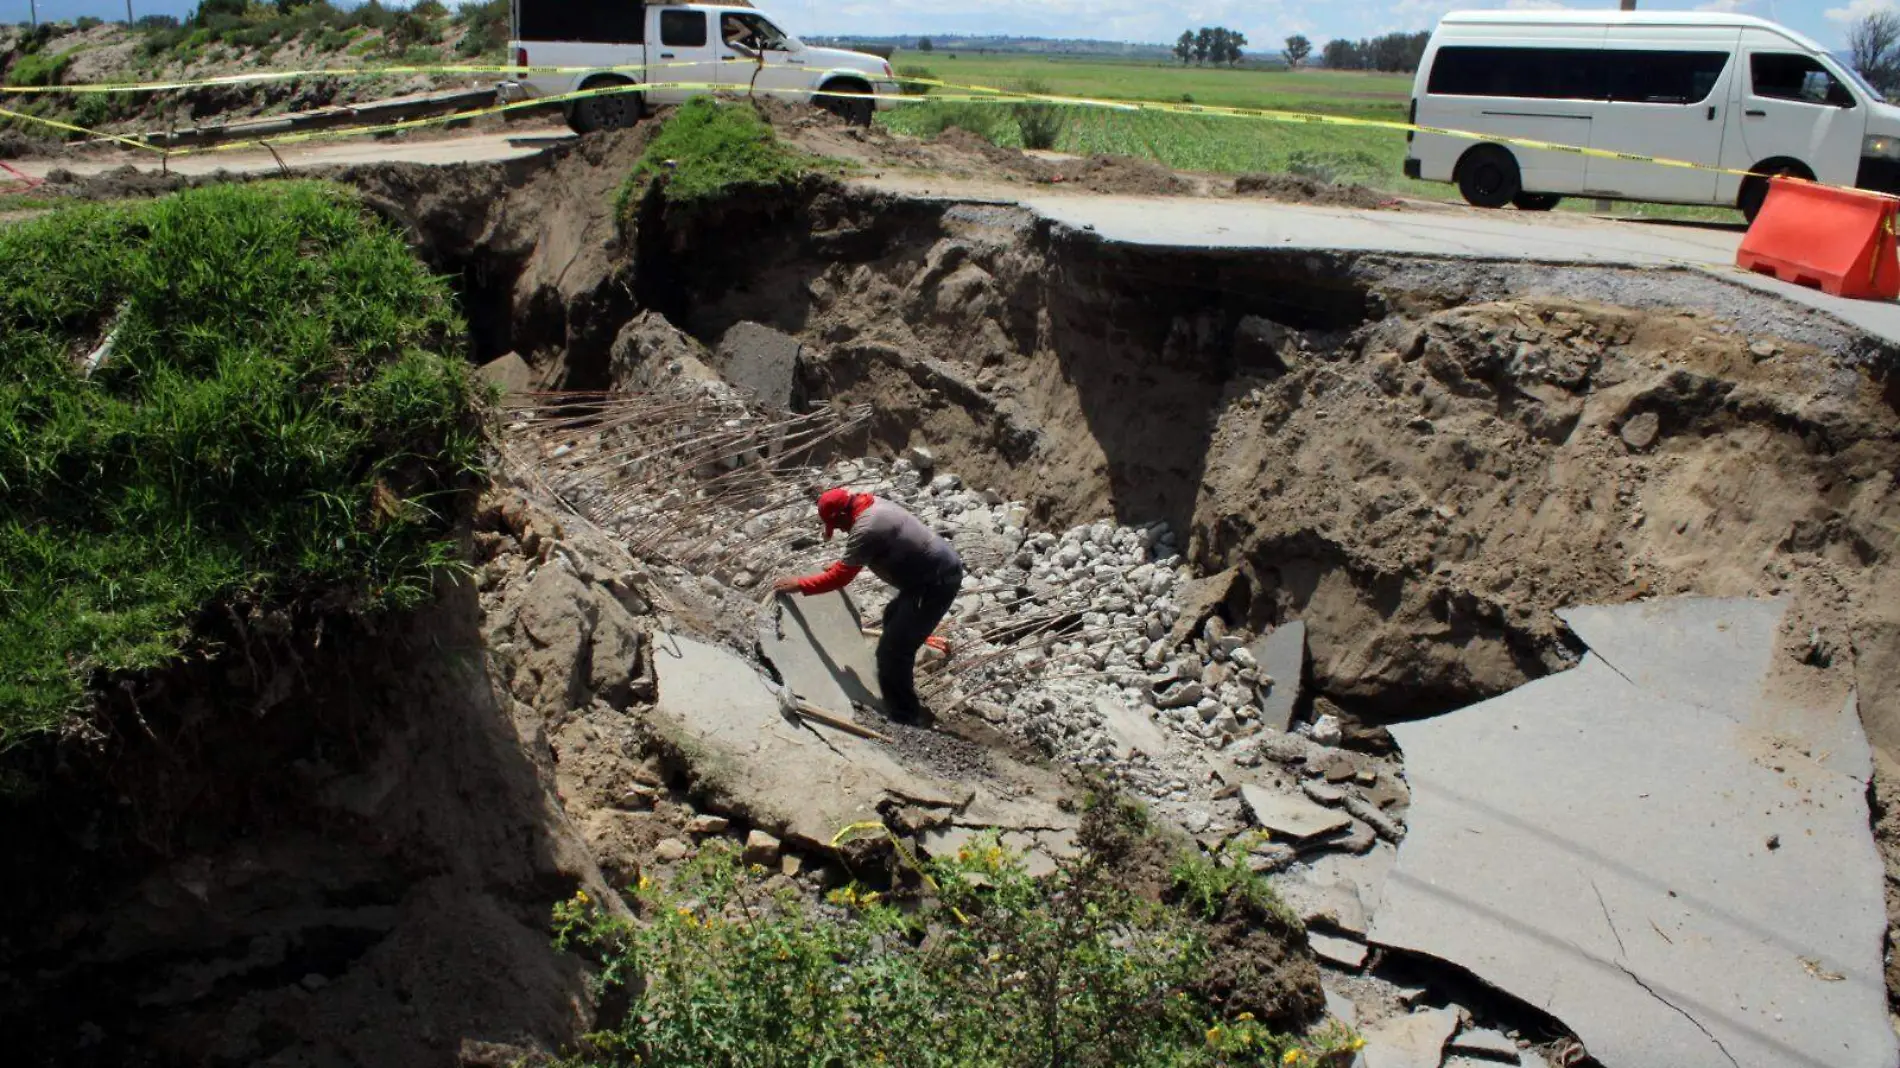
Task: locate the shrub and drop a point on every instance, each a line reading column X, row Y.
column 995, row 969
column 911, row 88
column 486, row 28
column 87, row 22
column 280, row 419
column 430, row 9
column 210, row 10
column 1040, row 125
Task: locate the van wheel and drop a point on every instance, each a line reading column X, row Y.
column 1535, row 201
column 612, row 111
column 849, row 101
column 1755, row 187
column 1488, row 177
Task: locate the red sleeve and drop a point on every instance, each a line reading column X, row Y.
column 835, row 577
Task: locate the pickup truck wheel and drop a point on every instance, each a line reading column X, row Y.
column 849, row 101
column 612, row 111
column 1535, row 201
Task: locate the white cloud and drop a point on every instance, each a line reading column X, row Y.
column 1858, row 9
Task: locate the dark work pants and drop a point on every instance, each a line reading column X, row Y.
column 908, row 621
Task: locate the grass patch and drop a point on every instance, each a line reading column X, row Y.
column 280, row 416
column 991, row 969
column 708, row 148
column 38, row 68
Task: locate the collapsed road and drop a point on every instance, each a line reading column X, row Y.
column 1546, row 628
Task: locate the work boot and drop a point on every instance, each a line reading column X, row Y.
column 910, row 715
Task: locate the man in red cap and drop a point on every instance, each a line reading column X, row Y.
column 903, row 552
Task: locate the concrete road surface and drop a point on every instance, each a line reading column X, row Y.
column 1556, row 238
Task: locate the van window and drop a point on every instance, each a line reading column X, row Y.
column 1793, row 76
column 1543, row 73
column 623, row 22
column 682, row 29
column 1647, row 77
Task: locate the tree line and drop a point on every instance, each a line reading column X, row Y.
column 1210, row 44
column 1392, row 52
column 1873, row 47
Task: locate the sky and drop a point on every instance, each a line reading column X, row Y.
column 1265, row 22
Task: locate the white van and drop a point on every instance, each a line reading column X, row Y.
column 1719, row 90
column 731, row 47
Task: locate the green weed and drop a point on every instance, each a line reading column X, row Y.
column 279, row 414
column 993, row 970
column 1216, row 882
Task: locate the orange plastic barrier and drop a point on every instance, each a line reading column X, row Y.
column 1839, row 241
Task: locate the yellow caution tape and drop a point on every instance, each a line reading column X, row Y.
column 953, row 93
column 854, row 829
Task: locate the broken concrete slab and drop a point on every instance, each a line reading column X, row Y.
column 1197, row 600
column 1709, row 652
column 1344, row 952
column 1598, row 849
column 818, row 647
column 800, row 783
column 1130, row 730
column 1366, row 873
column 1485, row 1044
column 761, row 361
column 1414, row 1041
column 1294, row 817
column 803, row 784
column 510, row 373
column 1329, row 904
column 1282, row 658
column 1340, row 1007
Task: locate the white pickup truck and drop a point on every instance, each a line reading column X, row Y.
column 701, row 48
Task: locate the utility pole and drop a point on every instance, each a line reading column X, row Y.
column 128, row 14
column 33, row 10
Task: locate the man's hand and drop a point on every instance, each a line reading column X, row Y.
column 786, row 585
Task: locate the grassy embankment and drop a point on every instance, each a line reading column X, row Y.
column 236, row 395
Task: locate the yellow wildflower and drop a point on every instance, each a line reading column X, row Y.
column 646, row 882
column 1213, row 1035
column 1358, row 1043
column 1293, row 1056
column 1245, row 1016
column 580, row 896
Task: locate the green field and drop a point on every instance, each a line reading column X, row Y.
column 1354, row 93
column 1188, row 142
column 1222, row 145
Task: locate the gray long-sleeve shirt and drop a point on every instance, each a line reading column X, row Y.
column 898, row 548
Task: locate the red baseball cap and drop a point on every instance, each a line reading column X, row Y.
column 834, row 508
